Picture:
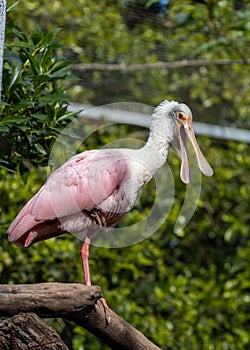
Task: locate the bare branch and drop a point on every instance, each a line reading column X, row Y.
column 47, row 299
column 75, row 302
column 158, row 65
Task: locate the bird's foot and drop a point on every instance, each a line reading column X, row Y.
column 106, row 310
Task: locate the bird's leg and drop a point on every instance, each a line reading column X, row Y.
column 85, row 264
column 85, row 260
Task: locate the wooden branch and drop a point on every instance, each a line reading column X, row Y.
column 75, row 302
column 158, row 65
column 47, row 299
column 27, row 331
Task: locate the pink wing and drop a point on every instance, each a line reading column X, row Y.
column 83, row 182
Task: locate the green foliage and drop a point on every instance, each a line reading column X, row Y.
column 33, row 109
column 186, row 291
column 98, row 33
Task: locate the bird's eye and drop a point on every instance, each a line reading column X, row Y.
column 182, row 116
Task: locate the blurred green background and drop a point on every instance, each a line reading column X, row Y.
column 183, row 291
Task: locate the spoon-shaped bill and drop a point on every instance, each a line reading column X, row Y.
column 185, row 172
column 205, row 168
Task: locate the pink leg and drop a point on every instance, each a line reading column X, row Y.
column 85, row 260
column 85, row 264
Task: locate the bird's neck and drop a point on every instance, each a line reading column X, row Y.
column 152, row 156
column 162, row 133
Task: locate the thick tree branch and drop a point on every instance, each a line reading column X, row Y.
column 47, row 299
column 75, row 302
column 27, row 331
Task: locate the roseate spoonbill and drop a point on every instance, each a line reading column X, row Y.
column 96, row 188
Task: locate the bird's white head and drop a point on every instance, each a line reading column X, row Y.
column 182, row 117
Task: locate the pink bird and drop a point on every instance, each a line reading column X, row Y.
column 96, row 188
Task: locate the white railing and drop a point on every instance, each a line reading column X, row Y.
column 135, row 118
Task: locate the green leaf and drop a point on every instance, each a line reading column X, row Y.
column 23, row 104
column 2, row 106
column 22, row 127
column 68, row 115
column 61, row 65
column 40, row 149
column 42, row 117
column 33, row 63
column 6, row 168
column 15, row 72
column 50, row 98
column 23, row 171
column 60, row 74
column 61, row 70
column 20, row 35
column 49, row 37
column 20, row 44
column 14, row 119
column 11, row 8
column 3, row 128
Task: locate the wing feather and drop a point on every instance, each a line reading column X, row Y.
column 83, row 182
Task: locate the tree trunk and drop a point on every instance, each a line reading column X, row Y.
column 75, row 302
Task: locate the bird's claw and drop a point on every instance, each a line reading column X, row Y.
column 106, row 310
column 108, row 319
